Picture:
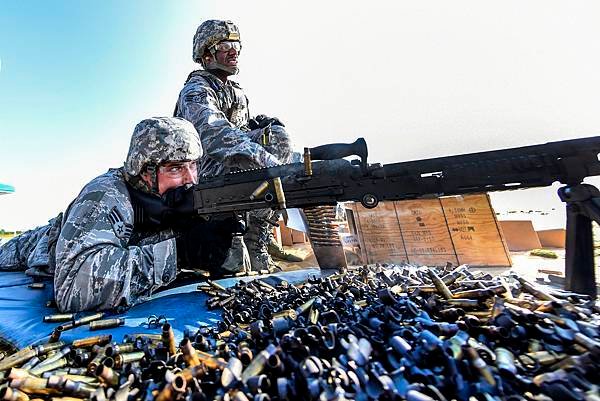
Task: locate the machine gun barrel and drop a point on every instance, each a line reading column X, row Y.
column 334, row 179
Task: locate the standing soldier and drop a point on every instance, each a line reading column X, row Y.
column 231, row 140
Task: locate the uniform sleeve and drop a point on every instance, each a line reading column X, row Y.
column 95, row 268
column 220, row 139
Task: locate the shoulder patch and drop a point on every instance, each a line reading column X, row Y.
column 196, row 97
column 122, row 229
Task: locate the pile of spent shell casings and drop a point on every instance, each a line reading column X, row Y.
column 369, row 333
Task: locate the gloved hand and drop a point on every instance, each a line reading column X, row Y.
column 180, row 199
column 174, row 207
column 261, row 121
column 204, row 244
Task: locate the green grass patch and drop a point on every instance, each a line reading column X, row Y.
column 544, row 253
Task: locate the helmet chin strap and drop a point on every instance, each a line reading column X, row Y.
column 213, row 65
column 153, row 171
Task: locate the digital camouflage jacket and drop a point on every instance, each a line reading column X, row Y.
column 219, row 111
column 101, row 260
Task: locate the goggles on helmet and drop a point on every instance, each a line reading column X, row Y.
column 226, row 46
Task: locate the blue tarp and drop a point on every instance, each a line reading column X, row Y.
column 22, row 309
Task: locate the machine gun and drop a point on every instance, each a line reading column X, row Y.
column 325, row 177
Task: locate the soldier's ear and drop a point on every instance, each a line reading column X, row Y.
column 147, row 178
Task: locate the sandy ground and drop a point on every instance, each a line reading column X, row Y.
column 522, row 263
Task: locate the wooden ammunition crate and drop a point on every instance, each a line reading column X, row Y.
column 520, row 235
column 456, row 229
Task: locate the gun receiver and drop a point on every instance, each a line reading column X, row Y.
column 333, row 179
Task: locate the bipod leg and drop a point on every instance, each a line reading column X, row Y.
column 582, row 202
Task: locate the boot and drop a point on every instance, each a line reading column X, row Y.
column 256, row 239
column 237, row 260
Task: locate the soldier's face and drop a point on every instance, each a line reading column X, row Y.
column 174, row 174
column 227, row 53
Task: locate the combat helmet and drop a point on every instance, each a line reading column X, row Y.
column 157, row 140
column 208, row 34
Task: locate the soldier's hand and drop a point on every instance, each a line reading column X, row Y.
column 261, row 121
column 180, row 199
column 204, row 244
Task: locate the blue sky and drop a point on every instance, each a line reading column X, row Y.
column 75, row 78
column 71, row 68
column 417, row 79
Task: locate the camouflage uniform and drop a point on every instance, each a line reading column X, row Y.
column 219, row 111
column 32, row 250
column 102, row 259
